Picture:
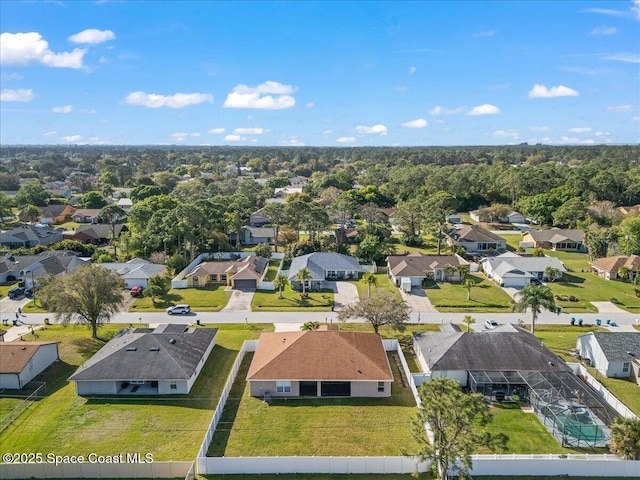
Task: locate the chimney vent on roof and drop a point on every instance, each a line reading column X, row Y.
column 172, row 341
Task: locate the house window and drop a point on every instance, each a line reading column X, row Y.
column 381, row 387
column 137, row 382
column 223, row 277
column 283, row 387
column 625, row 367
column 173, row 385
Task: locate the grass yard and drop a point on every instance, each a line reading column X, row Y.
column 384, row 283
column 268, row 301
column 314, row 426
column 320, row 476
column 486, row 296
column 622, row 388
column 212, row 298
column 561, row 339
column 5, row 287
column 171, row 428
column 272, row 270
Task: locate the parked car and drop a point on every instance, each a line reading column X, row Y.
column 491, row 324
column 178, row 309
column 16, row 292
column 28, row 293
column 136, row 291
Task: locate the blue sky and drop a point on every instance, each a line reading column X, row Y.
column 320, row 73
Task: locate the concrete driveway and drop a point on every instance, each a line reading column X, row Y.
column 418, row 300
column 344, row 293
column 240, row 301
column 607, row 307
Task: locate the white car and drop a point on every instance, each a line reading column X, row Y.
column 491, row 324
column 179, row 309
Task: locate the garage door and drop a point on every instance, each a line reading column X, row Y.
column 336, row 389
column 245, row 284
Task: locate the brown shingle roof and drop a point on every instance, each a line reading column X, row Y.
column 612, row 264
column 474, row 233
column 414, row 265
column 15, row 356
column 320, row 355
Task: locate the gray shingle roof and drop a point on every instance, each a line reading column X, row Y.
column 319, row 262
column 474, row 233
column 557, row 235
column 167, row 353
column 617, row 345
column 490, row 350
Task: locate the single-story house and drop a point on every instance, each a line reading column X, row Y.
column 86, row 215
column 629, row 209
column 480, row 216
column 320, row 363
column 418, row 267
column 474, row 238
column 29, row 267
column 21, row 362
column 51, row 214
column 283, row 192
column 555, row 239
column 323, row 266
column 163, row 360
column 454, row 218
column 136, row 272
column 507, row 348
column 608, row 267
column 512, row 270
column 513, row 217
column 125, row 204
column 98, row 233
column 254, row 235
column 257, row 219
column 28, row 236
column 246, row 273
column 613, row 354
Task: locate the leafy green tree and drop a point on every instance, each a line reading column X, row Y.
column 570, row 213
column 629, row 235
column 409, row 217
column 459, row 423
column 468, row 320
column 32, row 194
column 625, row 438
column 374, row 248
column 302, row 276
column 370, row 280
column 5, row 208
column 91, row 295
column 112, row 214
column 263, row 250
column 176, row 263
column 534, row 297
column 31, row 212
column 437, row 207
column 144, row 191
column 157, row 286
column 310, row 326
column 280, row 283
column 85, row 249
column 383, row 309
column 92, row 200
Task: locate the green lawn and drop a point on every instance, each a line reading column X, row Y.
column 320, row 476
column 5, row 287
column 587, row 287
column 314, row 426
column 268, row 301
column 172, row 428
column 212, row 298
column 272, row 271
column 486, row 296
column 384, row 283
column 561, row 339
column 622, row 388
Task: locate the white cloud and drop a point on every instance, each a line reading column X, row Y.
column 179, row 136
column 541, row 91
column 250, row 131
column 234, row 138
column 580, row 129
column 10, row 76
column 28, row 48
column 63, row 109
column 636, row 8
column 310, row 105
column 438, row 110
column 375, row 129
column 72, row 138
column 418, row 123
column 624, row 57
column 486, row 33
column 412, row 70
column 544, row 128
column 88, row 111
column 179, row 100
column 292, row 143
column 346, row 139
column 622, row 108
column 515, row 134
column 20, row 95
column 266, row 96
column 485, row 109
column 604, row 30
column 327, row 132
column 50, row 134
column 635, row 119
column 92, row 36
column 217, row 131
column 196, row 134
column 602, row 134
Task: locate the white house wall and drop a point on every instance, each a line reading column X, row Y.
column 107, row 387
column 10, row 381
column 588, row 347
column 258, row 388
column 182, row 387
column 44, row 356
column 369, row 389
column 459, row 376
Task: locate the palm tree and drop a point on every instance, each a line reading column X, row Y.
column 624, row 272
column 370, row 280
column 469, row 283
column 625, row 438
column 552, row 273
column 310, row 326
column 462, row 270
column 303, row 275
column 534, row 297
column 280, row 282
column 468, row 320
column 448, row 271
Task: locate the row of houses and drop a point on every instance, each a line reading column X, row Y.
column 28, row 236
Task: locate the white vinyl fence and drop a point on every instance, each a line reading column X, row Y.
column 98, row 470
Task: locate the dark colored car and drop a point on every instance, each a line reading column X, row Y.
column 16, row 292
column 28, row 292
